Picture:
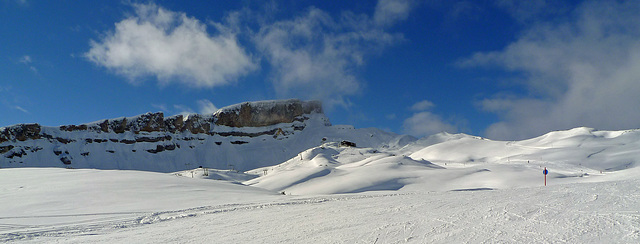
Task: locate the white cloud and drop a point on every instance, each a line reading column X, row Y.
column 184, row 110
column 206, row 107
column 422, row 105
column 389, row 12
column 424, row 122
column 584, row 71
column 315, row 56
column 21, row 109
column 162, row 107
column 172, row 47
column 26, row 59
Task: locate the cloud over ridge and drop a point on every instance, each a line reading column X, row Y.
column 423, row 122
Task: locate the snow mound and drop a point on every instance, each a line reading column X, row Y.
column 331, row 169
column 464, row 163
column 579, row 147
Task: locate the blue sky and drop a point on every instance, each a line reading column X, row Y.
column 502, row 69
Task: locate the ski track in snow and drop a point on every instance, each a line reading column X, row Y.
column 121, row 220
column 573, row 213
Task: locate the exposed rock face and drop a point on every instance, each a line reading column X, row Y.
column 264, row 113
column 138, row 137
column 248, row 114
column 197, row 124
column 20, row 132
column 149, row 122
column 146, row 122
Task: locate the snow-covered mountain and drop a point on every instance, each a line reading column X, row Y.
column 290, row 146
column 445, row 188
column 242, row 137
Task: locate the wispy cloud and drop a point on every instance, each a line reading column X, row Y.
column 422, row 105
column 312, row 56
column 183, row 110
column 583, row 71
column 26, row 60
column 426, row 123
column 21, row 109
column 423, row 122
column 389, row 12
column 206, row 107
column 318, row 55
column 172, row 47
column 162, row 107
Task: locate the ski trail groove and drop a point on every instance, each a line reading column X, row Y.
column 91, row 227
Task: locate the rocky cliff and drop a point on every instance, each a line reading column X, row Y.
column 248, row 114
column 265, row 113
column 242, row 137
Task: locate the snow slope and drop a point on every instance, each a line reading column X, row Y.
column 455, row 162
column 51, row 199
column 447, row 188
column 331, row 169
column 96, row 206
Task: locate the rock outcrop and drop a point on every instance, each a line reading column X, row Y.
column 136, row 138
column 265, row 113
column 248, row 114
column 21, row 132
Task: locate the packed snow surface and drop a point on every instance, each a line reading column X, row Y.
column 393, row 189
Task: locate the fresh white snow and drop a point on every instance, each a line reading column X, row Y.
column 441, row 189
